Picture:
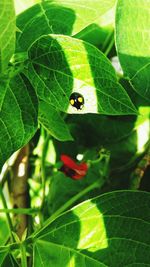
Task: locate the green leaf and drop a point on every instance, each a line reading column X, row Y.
column 7, row 32
column 141, row 81
column 51, row 119
column 104, row 231
column 103, row 129
column 3, row 254
column 18, row 115
column 96, row 35
column 61, row 65
column 133, row 42
column 4, row 231
column 62, row 17
column 65, row 188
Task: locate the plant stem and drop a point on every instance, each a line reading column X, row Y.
column 109, row 47
column 23, row 255
column 138, row 173
column 9, row 222
column 107, row 41
column 74, row 199
column 21, row 211
column 5, row 175
column 97, row 184
column 71, row 201
column 43, row 171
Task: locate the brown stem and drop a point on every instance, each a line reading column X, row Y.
column 138, row 173
column 19, row 189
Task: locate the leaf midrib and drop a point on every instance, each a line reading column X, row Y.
column 91, row 218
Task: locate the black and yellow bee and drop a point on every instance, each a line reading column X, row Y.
column 76, row 100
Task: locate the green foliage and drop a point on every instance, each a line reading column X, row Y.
column 7, row 32
column 61, row 17
column 114, row 224
column 18, row 114
column 98, row 233
column 76, row 67
column 4, row 231
column 50, row 118
column 133, row 42
column 75, row 218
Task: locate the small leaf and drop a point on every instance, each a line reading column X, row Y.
column 7, row 32
column 104, row 231
column 61, row 65
column 51, row 119
column 16, row 237
column 62, row 17
column 141, row 81
column 133, row 42
column 18, row 115
column 4, row 231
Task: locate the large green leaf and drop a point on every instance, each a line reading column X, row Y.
column 62, row 17
column 7, row 32
column 51, row 119
column 61, row 65
column 105, row 231
column 18, row 115
column 132, row 40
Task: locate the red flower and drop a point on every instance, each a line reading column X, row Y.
column 72, row 169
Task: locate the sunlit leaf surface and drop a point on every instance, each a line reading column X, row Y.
column 61, row 65
column 62, row 17
column 7, row 32
column 104, row 231
column 132, row 40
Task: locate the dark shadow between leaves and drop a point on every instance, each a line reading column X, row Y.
column 95, row 35
column 94, row 131
column 123, row 137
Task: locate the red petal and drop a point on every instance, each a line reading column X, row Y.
column 68, row 162
column 79, row 169
column 82, row 167
column 79, row 174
